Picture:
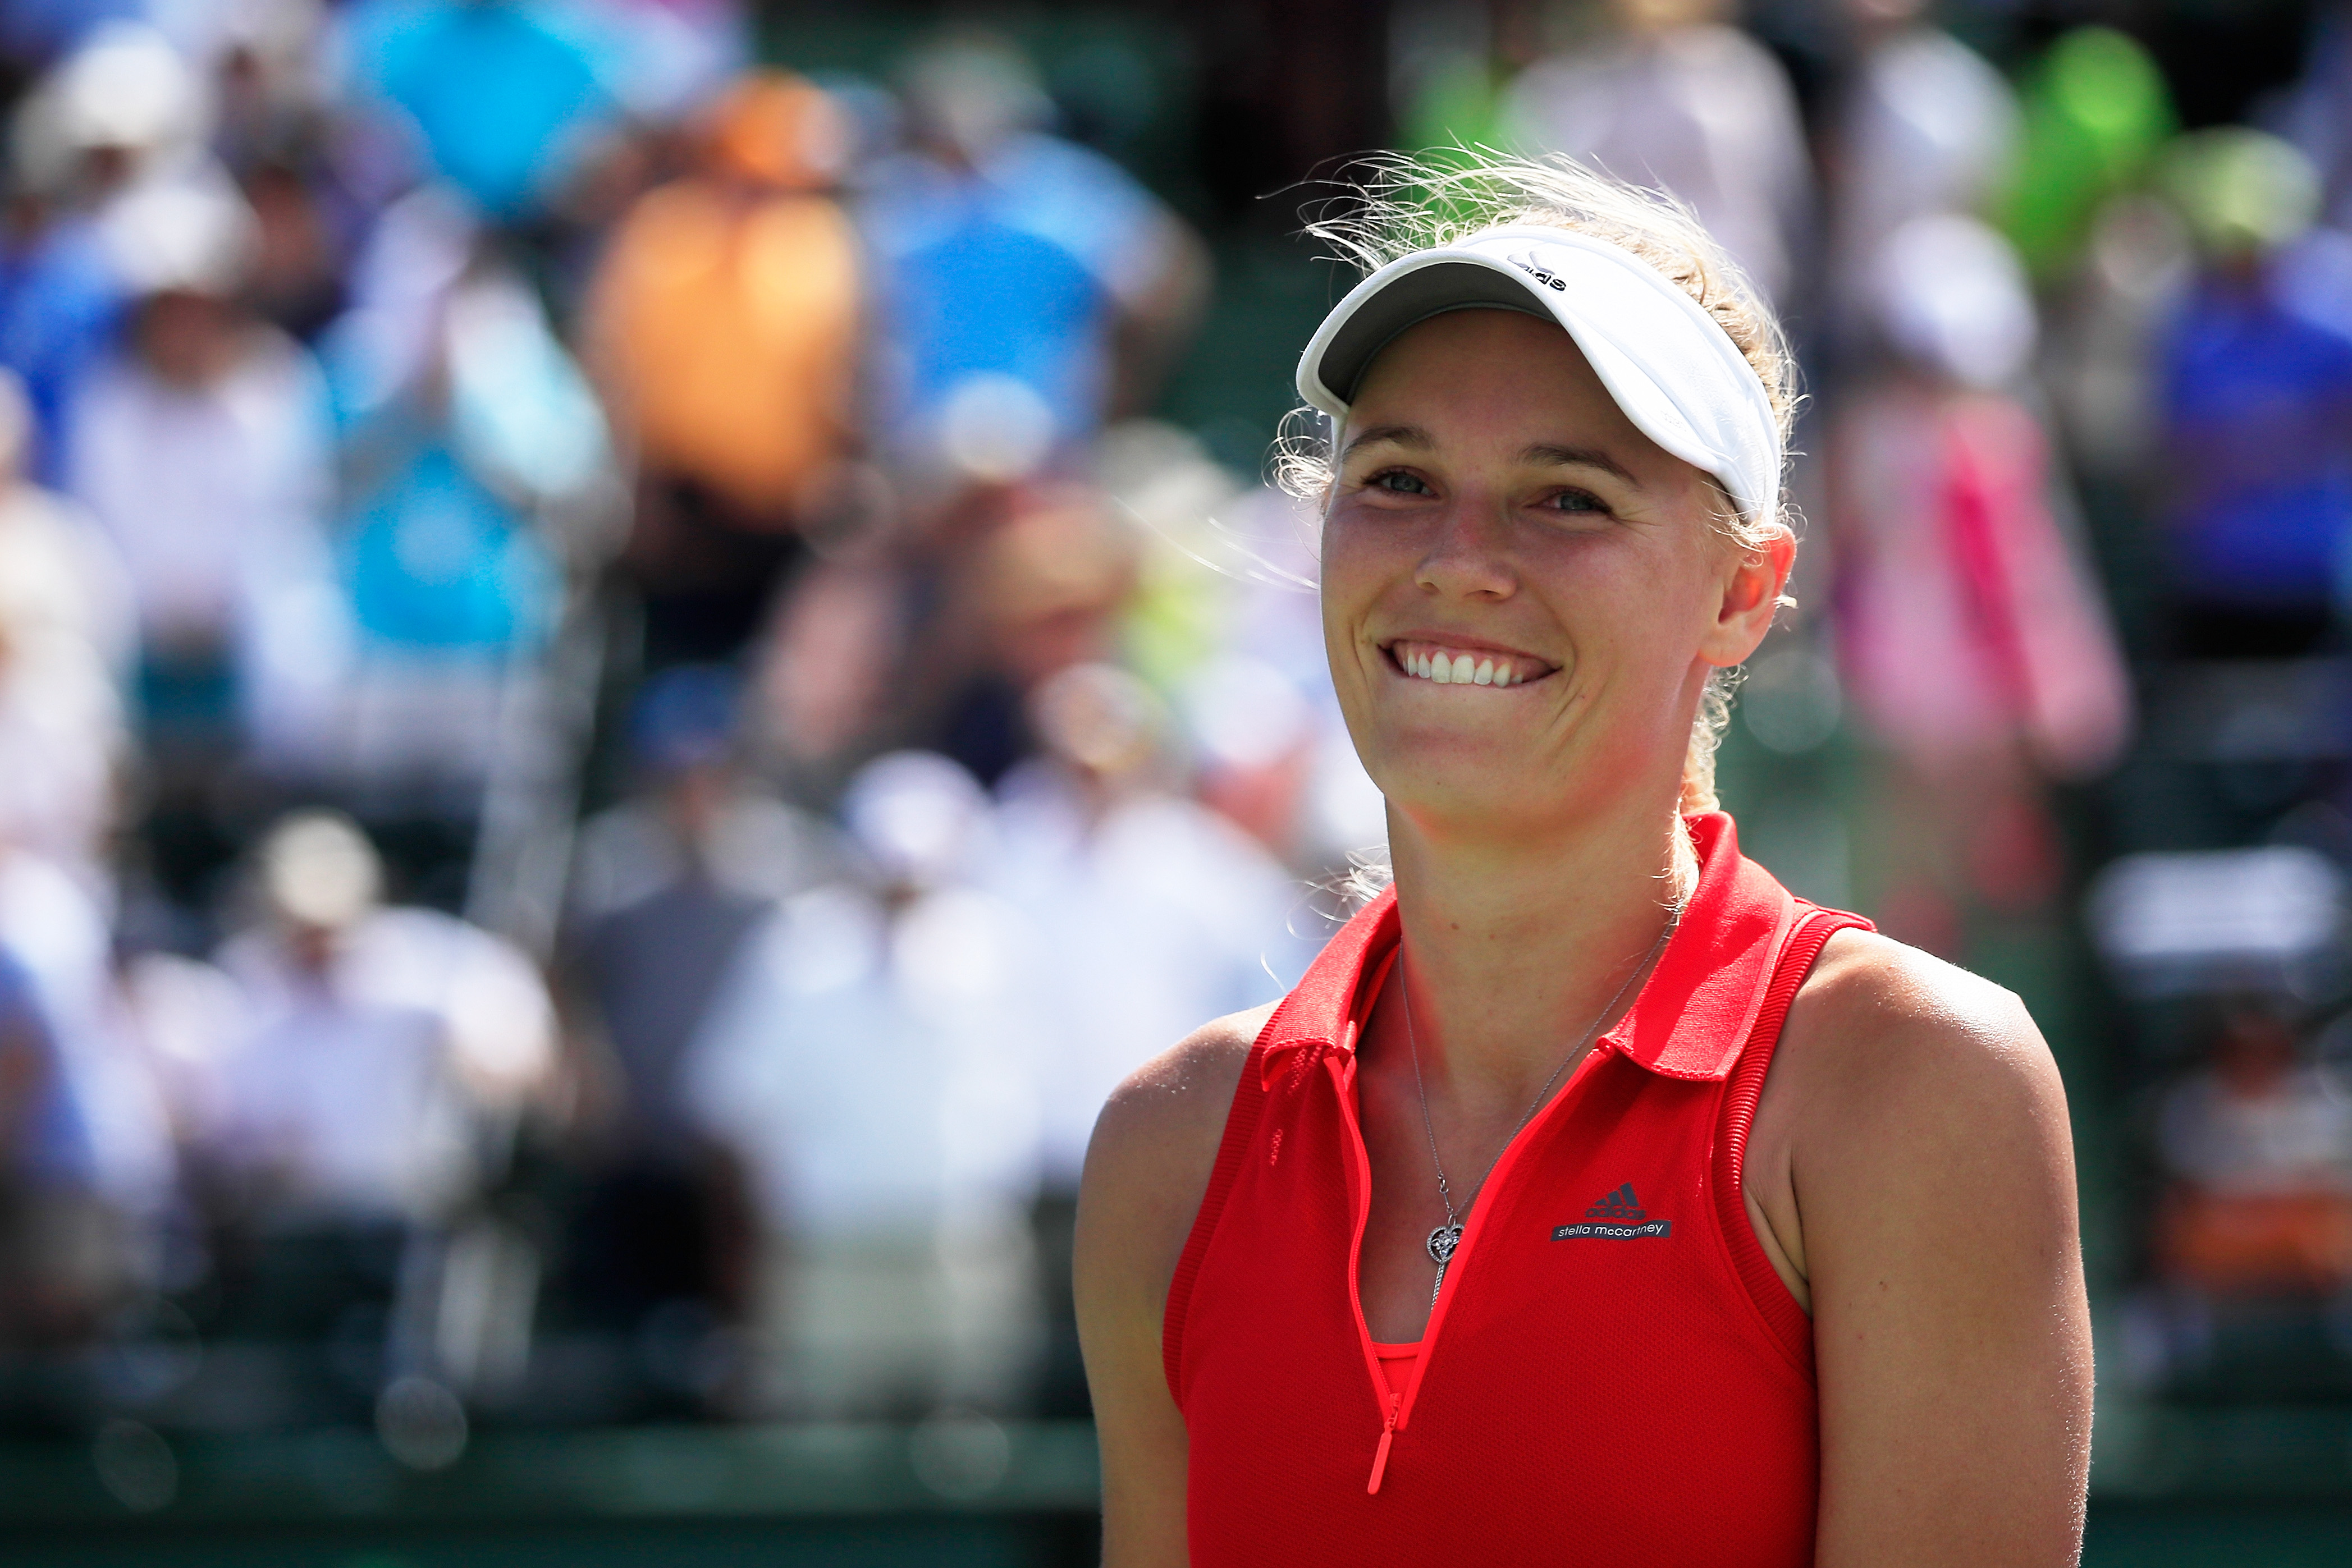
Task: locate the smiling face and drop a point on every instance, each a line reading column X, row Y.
column 1522, row 593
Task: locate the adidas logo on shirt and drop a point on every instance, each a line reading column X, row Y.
column 1621, row 1204
column 1618, row 1217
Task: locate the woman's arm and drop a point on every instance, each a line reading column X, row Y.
column 1147, row 1170
column 1933, row 1176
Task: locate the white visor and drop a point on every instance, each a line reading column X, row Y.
column 1671, row 367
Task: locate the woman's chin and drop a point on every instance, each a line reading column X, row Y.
column 1457, row 754
column 1500, row 793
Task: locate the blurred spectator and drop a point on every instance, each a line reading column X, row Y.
column 2318, row 114
column 59, row 300
column 941, row 635
column 1256, row 736
column 180, row 1017
column 1675, row 97
column 297, row 283
column 1976, row 647
column 1030, row 289
column 90, row 1170
column 2100, row 368
column 670, row 887
column 378, row 1037
column 2096, row 111
column 66, row 635
column 667, row 57
column 1038, row 589
column 278, row 133
column 871, row 1064
column 59, row 1259
column 1927, row 126
column 505, row 96
column 2257, row 401
column 723, row 327
column 2257, row 1147
column 1240, row 646
column 1156, row 912
column 202, row 446
column 265, row 58
column 123, row 110
column 1967, row 621
column 476, row 458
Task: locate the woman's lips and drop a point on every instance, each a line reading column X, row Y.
column 1442, row 664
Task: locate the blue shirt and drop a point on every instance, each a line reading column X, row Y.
column 434, row 560
column 60, row 305
column 500, row 95
column 1014, row 269
column 2257, row 402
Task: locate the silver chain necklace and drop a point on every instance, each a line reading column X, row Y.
column 1448, row 1236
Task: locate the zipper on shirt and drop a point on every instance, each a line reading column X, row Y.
column 1397, row 1406
column 1380, row 1454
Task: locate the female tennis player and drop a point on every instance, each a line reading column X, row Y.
column 1591, row 1200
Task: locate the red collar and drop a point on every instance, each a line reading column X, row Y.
column 1692, row 1014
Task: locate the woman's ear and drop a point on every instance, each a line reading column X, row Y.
column 1753, row 578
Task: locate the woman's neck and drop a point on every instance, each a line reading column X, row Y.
column 1512, row 947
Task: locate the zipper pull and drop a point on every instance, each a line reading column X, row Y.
column 1380, row 1455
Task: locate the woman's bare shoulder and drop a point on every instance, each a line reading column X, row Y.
column 1869, row 988
column 1162, row 1125
column 1148, row 1167
column 1930, row 1176
column 1885, row 1035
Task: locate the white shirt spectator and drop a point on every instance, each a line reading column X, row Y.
column 875, row 1070
column 1929, row 126
column 58, row 931
column 352, row 1090
column 1156, row 919
column 1703, row 112
column 214, row 496
column 64, row 637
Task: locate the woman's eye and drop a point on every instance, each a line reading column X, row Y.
column 1397, row 482
column 1578, row 501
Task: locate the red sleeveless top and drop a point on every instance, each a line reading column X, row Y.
column 1613, row 1374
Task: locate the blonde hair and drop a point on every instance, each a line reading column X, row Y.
column 1401, row 204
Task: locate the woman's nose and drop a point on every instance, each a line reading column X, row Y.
column 1470, row 555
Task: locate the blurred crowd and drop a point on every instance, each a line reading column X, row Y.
column 613, row 739
column 615, row 717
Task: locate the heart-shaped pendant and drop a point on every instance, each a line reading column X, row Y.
column 1442, row 1243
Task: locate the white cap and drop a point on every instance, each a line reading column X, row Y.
column 1669, row 364
column 1952, row 296
column 197, row 235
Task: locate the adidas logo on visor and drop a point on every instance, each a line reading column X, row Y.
column 1542, row 274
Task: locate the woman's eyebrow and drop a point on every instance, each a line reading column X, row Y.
column 1411, row 435
column 1578, row 457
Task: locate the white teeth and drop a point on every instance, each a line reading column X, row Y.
column 1462, row 670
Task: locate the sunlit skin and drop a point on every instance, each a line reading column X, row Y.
column 1908, row 1173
